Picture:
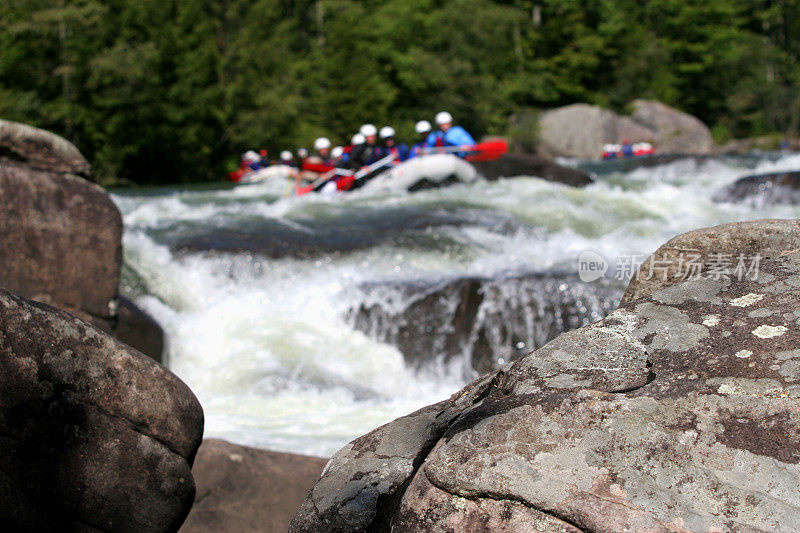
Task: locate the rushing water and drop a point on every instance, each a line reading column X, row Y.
column 301, row 323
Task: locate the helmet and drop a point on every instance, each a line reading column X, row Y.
column 322, row 143
column 262, row 152
column 423, row 126
column 386, row 132
column 358, row 138
column 302, row 153
column 250, row 155
column 443, row 117
column 367, row 130
column 337, row 152
column 286, row 155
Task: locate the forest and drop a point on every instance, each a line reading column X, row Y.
column 159, row 91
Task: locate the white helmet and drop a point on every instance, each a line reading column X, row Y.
column 368, row 130
column 250, row 155
column 337, row 152
column 358, row 138
column 322, row 143
column 302, row 153
column 423, row 126
column 386, row 132
column 286, row 155
column 443, row 117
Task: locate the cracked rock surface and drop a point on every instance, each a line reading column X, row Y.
column 680, row 411
column 94, row 436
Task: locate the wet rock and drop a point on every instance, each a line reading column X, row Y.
column 763, row 189
column 139, row 330
column 679, row 411
column 485, row 322
column 242, row 489
column 518, row 164
column 93, row 435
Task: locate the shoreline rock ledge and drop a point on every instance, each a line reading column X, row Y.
column 94, row 436
column 678, row 412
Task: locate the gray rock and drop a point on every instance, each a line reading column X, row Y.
column 581, row 130
column 677, row 412
column 677, row 132
column 242, row 489
column 93, row 435
column 737, row 247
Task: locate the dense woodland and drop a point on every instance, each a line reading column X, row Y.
column 174, row 90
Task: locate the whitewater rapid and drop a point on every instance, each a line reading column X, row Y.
column 255, row 291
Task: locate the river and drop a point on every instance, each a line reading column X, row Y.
column 301, row 323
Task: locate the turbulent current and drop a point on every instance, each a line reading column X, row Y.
column 301, row 323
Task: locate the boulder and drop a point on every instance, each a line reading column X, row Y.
column 93, row 435
column 763, row 189
column 41, row 150
column 241, row 489
column 676, row 131
column 519, row 164
column 581, row 130
column 61, row 235
column 679, row 411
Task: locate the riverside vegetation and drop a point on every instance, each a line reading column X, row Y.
column 153, row 91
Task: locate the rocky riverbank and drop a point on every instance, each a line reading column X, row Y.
column 677, row 412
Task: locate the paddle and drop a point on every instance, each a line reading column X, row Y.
column 360, row 174
column 485, row 151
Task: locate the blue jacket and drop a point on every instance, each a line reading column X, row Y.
column 435, row 138
column 400, row 151
column 458, row 136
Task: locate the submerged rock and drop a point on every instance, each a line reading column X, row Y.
column 485, row 322
column 517, row 164
column 679, row 411
column 95, row 436
column 763, row 189
column 242, row 489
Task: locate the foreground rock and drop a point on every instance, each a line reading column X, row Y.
column 518, row 164
column 677, row 412
column 241, row 489
column 94, row 434
column 60, row 235
column 763, row 189
column 581, row 130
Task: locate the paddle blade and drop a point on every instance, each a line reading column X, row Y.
column 488, row 151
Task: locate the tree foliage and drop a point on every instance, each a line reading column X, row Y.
column 165, row 90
